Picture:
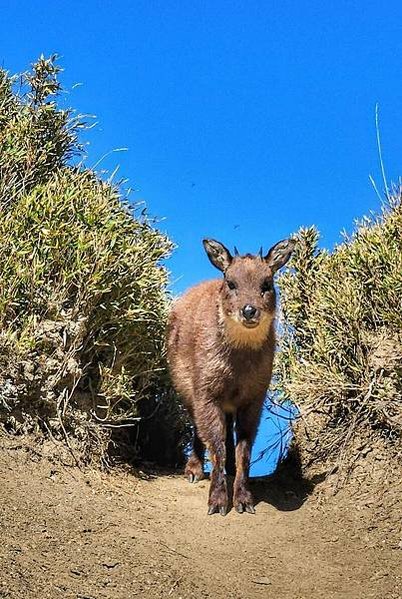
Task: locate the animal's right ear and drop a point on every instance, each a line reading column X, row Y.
column 217, row 253
column 280, row 253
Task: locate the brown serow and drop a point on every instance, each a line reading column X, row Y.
column 221, row 342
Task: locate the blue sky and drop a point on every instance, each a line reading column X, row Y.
column 243, row 120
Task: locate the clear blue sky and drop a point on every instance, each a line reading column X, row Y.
column 244, row 120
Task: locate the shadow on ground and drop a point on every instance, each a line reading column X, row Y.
column 286, row 489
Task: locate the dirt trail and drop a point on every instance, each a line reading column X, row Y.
column 68, row 533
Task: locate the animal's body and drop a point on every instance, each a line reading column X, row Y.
column 221, row 343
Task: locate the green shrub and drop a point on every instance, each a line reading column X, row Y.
column 82, row 290
column 341, row 345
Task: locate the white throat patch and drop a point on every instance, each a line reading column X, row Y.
column 240, row 336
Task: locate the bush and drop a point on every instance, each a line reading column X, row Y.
column 341, row 344
column 82, row 290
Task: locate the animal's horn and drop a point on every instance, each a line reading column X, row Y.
column 260, row 253
column 236, row 251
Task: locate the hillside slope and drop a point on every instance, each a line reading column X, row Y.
column 69, row 533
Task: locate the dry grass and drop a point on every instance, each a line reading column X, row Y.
column 341, row 345
column 82, row 289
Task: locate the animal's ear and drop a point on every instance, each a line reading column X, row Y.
column 217, row 253
column 280, row 253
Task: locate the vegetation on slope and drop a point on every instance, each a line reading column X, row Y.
column 341, row 347
column 82, row 289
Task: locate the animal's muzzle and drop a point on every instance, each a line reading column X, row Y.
column 250, row 313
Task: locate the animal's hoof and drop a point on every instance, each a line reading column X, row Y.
column 218, row 497
column 193, row 471
column 243, row 500
column 193, row 478
column 221, row 509
column 245, row 507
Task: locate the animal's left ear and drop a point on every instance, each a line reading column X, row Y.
column 218, row 254
column 280, row 253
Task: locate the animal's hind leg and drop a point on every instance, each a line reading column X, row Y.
column 194, row 469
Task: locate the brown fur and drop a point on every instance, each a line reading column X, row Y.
column 219, row 366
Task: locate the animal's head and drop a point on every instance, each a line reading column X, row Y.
column 247, row 292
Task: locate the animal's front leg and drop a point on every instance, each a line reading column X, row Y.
column 246, row 428
column 210, row 422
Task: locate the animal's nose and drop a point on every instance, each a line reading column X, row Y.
column 249, row 312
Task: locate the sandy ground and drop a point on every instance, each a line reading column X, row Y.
column 71, row 533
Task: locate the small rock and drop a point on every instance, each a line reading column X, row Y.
column 110, row 565
column 262, row 580
column 76, row 572
column 379, row 575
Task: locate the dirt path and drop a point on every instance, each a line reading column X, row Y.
column 65, row 533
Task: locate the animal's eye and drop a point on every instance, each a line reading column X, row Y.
column 266, row 286
column 231, row 284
